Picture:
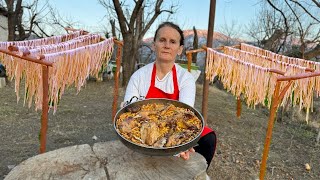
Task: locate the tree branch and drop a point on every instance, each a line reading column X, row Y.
column 305, row 10
column 282, row 14
column 297, row 18
column 122, row 19
column 42, row 31
column 135, row 13
column 285, row 22
column 316, row 2
column 157, row 12
column 32, row 22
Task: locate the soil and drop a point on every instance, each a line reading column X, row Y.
column 240, row 140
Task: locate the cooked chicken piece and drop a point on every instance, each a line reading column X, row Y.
column 146, row 114
column 149, row 133
column 166, row 108
column 127, row 125
column 161, row 142
column 171, row 122
column 174, row 139
column 187, row 134
column 133, row 109
column 189, row 114
column 191, row 126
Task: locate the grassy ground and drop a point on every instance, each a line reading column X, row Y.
column 87, row 114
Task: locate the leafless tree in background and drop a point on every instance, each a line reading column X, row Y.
column 13, row 10
column 32, row 17
column 268, row 28
column 23, row 18
column 281, row 24
column 55, row 22
column 232, row 32
column 134, row 20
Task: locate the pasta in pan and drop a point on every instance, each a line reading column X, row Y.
column 158, row 125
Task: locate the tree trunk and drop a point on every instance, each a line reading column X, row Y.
column 113, row 27
column 195, row 44
column 11, row 26
column 128, row 58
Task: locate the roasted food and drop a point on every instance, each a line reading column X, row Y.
column 159, row 125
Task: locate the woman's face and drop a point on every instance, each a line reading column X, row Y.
column 167, row 44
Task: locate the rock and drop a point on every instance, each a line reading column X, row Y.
column 307, row 166
column 10, row 167
column 94, row 137
column 125, row 164
column 65, row 163
column 109, row 160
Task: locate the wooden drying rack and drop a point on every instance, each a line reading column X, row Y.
column 277, row 98
column 12, row 51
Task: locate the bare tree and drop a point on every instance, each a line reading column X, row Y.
column 134, row 23
column 29, row 17
column 13, row 10
column 56, row 22
column 20, row 27
column 232, row 31
column 269, row 28
column 283, row 22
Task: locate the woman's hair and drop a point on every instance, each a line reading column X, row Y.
column 172, row 25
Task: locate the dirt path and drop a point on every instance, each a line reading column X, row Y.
column 240, row 141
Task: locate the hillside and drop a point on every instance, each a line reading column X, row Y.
column 219, row 39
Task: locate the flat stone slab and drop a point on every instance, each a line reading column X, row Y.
column 109, row 160
column 75, row 162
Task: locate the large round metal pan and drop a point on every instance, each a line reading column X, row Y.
column 154, row 151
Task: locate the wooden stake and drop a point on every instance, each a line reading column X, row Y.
column 239, row 108
column 116, row 82
column 276, row 99
column 189, row 57
column 45, row 109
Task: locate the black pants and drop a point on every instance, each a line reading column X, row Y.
column 207, row 146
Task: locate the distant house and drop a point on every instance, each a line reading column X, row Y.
column 3, row 28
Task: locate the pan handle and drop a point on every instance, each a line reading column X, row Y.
column 132, row 98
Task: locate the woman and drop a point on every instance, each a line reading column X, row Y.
column 165, row 79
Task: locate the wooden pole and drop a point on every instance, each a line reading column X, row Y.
column 45, row 109
column 238, row 107
column 116, row 81
column 196, row 50
column 276, row 99
column 206, row 80
column 299, row 76
column 273, row 109
column 189, row 57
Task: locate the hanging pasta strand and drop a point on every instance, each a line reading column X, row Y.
column 301, row 91
column 42, row 41
column 241, row 78
column 264, row 61
column 74, row 56
column 292, row 60
column 74, row 66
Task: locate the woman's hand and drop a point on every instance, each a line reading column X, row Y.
column 186, row 155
